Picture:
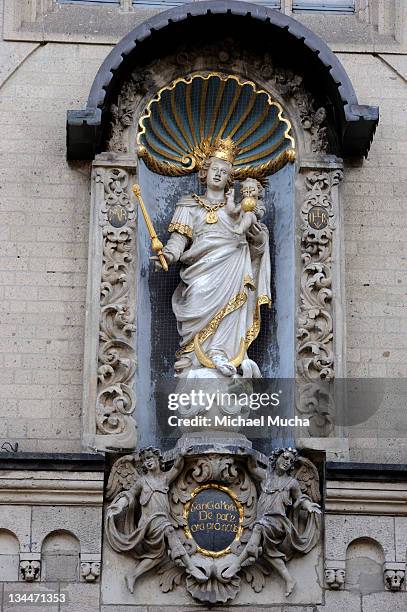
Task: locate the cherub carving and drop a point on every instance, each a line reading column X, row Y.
column 139, row 518
column 288, row 521
column 251, row 208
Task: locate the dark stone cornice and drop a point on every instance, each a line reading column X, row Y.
column 64, row 462
column 385, row 472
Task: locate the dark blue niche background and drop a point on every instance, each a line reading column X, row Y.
column 157, row 337
column 213, row 519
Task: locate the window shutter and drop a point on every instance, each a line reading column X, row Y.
column 169, row 3
column 88, row 1
column 164, row 4
column 338, row 6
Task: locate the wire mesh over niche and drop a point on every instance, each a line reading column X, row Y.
column 177, row 131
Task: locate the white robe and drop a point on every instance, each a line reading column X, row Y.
column 224, row 280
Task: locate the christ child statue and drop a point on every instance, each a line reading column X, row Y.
column 251, row 208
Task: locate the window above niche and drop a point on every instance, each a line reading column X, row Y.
column 332, row 6
column 164, row 4
column 157, row 4
column 368, row 25
column 88, row 1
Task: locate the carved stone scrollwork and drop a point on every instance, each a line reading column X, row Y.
column 317, row 403
column 315, row 335
column 290, row 86
column 209, row 468
column 232, row 472
column 116, row 358
column 123, row 111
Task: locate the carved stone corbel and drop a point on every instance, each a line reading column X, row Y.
column 90, row 571
column 109, row 399
column 335, row 579
column 203, row 494
column 335, row 575
column 30, row 570
column 394, row 576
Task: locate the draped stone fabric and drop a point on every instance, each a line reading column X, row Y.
column 225, row 278
column 145, row 538
column 284, row 528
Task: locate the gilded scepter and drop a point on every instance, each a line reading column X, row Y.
column 156, row 244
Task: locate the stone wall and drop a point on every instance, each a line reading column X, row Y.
column 44, row 205
column 375, row 229
column 44, row 210
column 376, row 225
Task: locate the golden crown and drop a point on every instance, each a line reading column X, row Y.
column 225, row 149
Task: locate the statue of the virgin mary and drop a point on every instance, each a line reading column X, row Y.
column 221, row 243
column 225, row 274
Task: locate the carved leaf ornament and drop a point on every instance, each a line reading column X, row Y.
column 115, row 397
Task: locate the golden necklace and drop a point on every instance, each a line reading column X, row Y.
column 211, row 214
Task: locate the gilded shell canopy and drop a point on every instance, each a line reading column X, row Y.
column 186, row 121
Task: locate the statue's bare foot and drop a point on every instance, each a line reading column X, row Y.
column 223, row 365
column 130, row 583
column 231, row 570
column 289, row 586
column 197, row 574
column 227, row 369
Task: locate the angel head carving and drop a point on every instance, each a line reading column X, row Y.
column 284, row 459
column 151, row 459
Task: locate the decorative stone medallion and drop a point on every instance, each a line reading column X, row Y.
column 318, row 217
column 117, row 215
column 213, row 519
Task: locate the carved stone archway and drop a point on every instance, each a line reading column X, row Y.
column 328, row 122
column 355, row 124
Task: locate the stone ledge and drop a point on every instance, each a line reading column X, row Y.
column 51, row 488
column 378, row 498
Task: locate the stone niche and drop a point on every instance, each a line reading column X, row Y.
column 157, row 338
column 304, row 338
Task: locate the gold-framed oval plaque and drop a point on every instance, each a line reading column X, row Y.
column 213, row 519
